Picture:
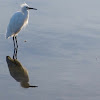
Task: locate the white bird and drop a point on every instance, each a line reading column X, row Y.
column 17, row 22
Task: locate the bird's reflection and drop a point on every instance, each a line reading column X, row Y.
column 18, row 72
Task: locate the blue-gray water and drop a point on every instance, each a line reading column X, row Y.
column 62, row 52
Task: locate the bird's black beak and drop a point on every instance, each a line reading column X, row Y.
column 32, row 8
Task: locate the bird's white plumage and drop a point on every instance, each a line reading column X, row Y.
column 18, row 21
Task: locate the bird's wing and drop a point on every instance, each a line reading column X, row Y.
column 15, row 24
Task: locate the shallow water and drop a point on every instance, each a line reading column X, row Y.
column 61, row 52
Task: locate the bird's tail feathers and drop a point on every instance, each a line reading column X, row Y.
column 7, row 36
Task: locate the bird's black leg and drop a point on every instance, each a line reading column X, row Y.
column 14, row 55
column 16, row 41
column 16, row 52
column 14, row 47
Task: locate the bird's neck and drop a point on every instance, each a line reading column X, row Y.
column 25, row 12
column 26, row 17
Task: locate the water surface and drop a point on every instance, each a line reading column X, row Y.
column 62, row 52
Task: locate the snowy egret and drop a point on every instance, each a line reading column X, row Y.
column 17, row 22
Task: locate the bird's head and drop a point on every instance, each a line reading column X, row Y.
column 25, row 7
